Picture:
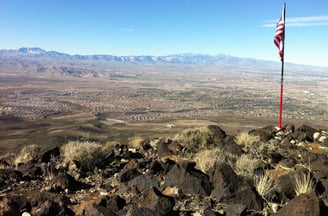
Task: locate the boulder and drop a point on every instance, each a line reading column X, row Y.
column 235, row 210
column 114, row 203
column 305, row 133
column 230, row 190
column 154, row 200
column 30, row 170
column 217, row 132
column 188, row 179
column 144, row 182
column 265, row 133
column 65, row 181
column 302, row 205
column 163, row 148
column 14, row 205
column 46, row 203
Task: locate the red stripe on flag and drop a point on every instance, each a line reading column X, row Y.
column 279, row 36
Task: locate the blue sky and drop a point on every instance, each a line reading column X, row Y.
column 161, row 27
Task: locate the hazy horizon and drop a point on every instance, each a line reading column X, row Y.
column 143, row 27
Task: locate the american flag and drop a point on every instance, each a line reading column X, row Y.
column 279, row 35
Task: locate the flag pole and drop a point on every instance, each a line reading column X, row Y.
column 282, row 68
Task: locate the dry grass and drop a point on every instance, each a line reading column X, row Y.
column 88, row 154
column 246, row 139
column 245, row 165
column 136, row 142
column 265, row 186
column 304, row 183
column 27, row 153
column 194, row 139
column 206, row 158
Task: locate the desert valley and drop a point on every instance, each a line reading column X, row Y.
column 150, row 112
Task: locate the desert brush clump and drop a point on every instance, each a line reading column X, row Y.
column 206, row 158
column 246, row 139
column 88, row 154
column 136, row 142
column 194, row 139
column 27, row 153
column 265, row 186
column 252, row 144
column 304, row 183
column 245, row 165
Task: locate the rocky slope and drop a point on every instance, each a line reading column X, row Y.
column 161, row 177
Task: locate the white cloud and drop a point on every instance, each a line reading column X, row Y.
column 300, row 21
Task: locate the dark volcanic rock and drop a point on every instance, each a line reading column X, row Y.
column 231, row 147
column 229, row 189
column 14, row 205
column 235, row 210
column 94, row 209
column 305, row 133
column 319, row 164
column 114, row 203
column 153, row 199
column 49, row 155
column 137, row 211
column 188, row 179
column 217, row 132
column 46, row 203
column 65, row 181
column 302, row 205
column 143, row 182
column 30, row 170
column 10, row 175
column 287, row 185
column 265, row 133
column 163, row 148
column 128, row 175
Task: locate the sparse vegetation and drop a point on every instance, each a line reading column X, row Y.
column 304, row 183
column 27, row 153
column 246, row 165
column 246, row 140
column 194, row 139
column 136, row 142
column 265, row 186
column 205, row 159
column 88, row 154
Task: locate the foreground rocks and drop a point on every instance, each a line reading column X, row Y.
column 159, row 179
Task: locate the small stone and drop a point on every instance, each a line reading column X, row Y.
column 26, row 214
column 316, row 135
column 47, row 188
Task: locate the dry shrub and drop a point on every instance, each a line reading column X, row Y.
column 88, row 154
column 194, row 139
column 304, row 183
column 227, row 157
column 27, row 153
column 136, row 142
column 205, row 159
column 265, row 186
column 246, row 139
column 245, row 165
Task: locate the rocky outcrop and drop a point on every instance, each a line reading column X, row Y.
column 159, row 179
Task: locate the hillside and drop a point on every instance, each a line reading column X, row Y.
column 199, row 171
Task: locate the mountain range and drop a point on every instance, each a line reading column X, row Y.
column 42, row 60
